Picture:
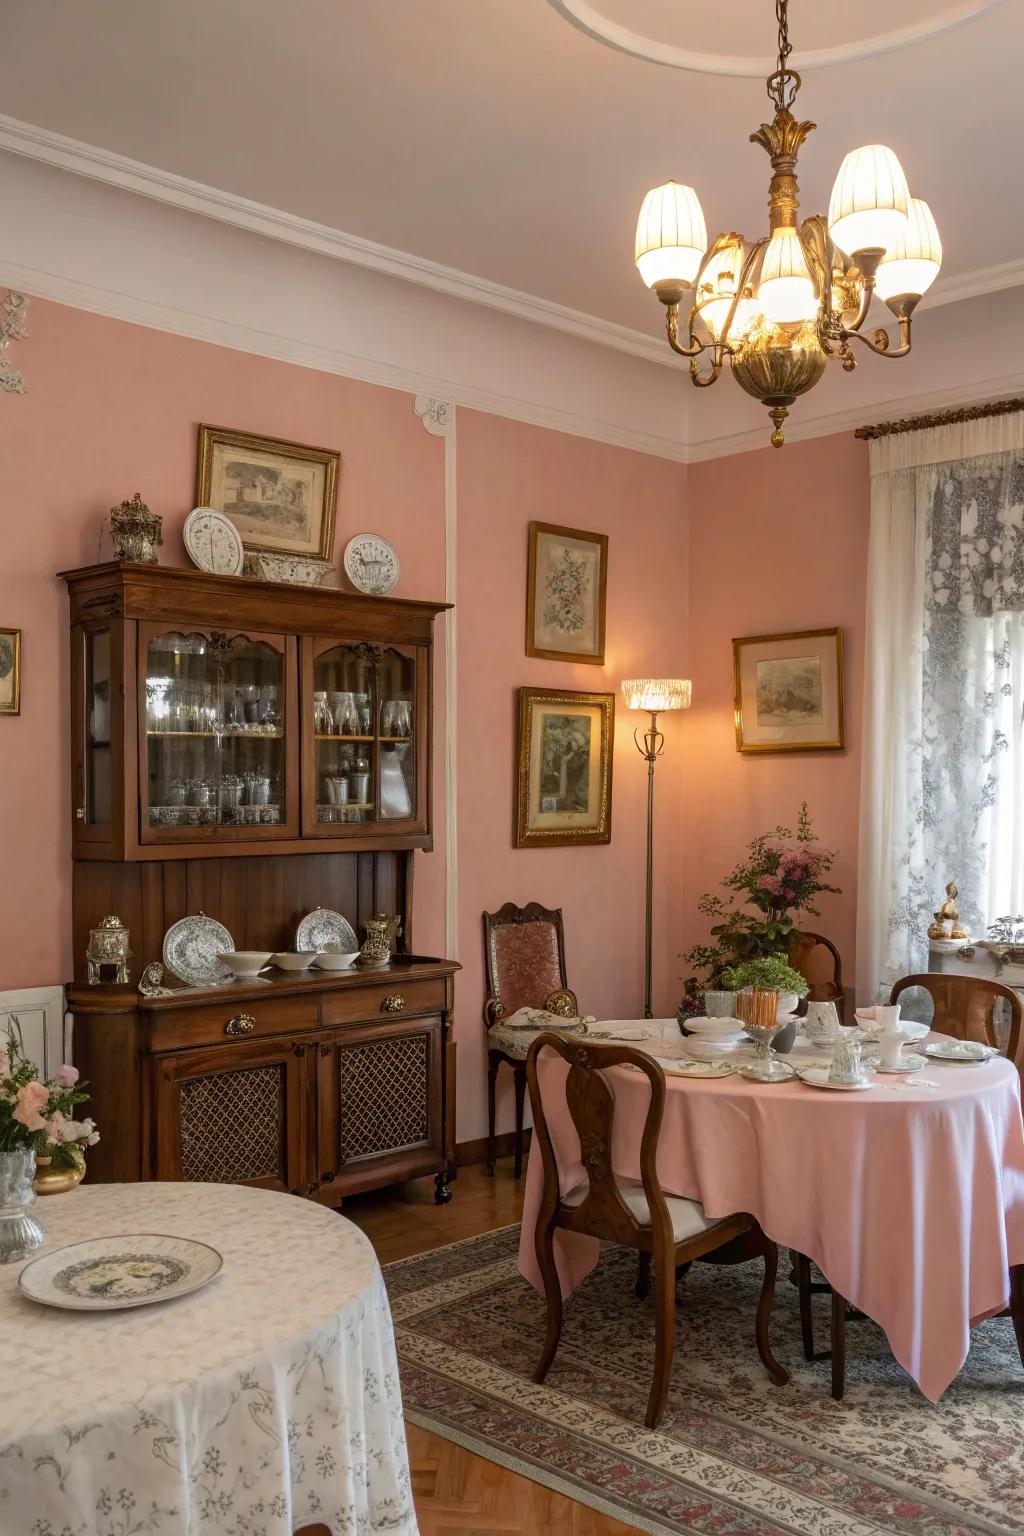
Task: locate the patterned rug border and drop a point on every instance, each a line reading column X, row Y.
column 536, row 1472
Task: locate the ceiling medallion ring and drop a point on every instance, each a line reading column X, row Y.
column 587, row 18
column 781, row 307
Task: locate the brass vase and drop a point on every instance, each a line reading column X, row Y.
column 55, row 1181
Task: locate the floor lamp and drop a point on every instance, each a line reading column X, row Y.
column 655, row 695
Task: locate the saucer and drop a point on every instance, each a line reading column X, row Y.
column 817, row 1077
column 908, row 1064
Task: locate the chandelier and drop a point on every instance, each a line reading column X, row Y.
column 781, row 307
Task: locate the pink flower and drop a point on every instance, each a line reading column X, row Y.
column 769, row 883
column 55, row 1126
column 66, row 1076
column 29, row 1103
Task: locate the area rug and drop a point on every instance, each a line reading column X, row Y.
column 733, row 1456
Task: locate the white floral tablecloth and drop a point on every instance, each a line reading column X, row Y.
column 265, row 1402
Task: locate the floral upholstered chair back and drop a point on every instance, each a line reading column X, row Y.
column 525, row 958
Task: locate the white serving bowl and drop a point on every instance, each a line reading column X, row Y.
column 246, row 962
column 713, row 1028
column 329, row 960
column 288, row 960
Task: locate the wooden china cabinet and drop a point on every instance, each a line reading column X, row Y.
column 252, row 751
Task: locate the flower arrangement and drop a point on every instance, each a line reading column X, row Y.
column 783, row 874
column 40, row 1115
column 770, row 973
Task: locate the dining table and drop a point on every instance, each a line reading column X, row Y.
column 908, row 1194
column 263, row 1404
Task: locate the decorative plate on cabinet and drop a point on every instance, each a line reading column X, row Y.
column 213, row 542
column 191, row 948
column 322, row 927
column 371, row 564
column 107, row 1274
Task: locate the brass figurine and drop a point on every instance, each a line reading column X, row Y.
column 947, row 919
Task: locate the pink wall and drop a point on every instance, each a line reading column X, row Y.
column 778, row 542
column 508, row 475
column 113, row 408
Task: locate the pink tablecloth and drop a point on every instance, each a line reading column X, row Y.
column 910, row 1202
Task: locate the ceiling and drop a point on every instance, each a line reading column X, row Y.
column 495, row 137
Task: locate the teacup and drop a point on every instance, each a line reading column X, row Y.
column 890, row 1046
column 846, row 1064
column 887, row 1017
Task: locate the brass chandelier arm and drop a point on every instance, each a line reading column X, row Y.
column 703, row 380
column 696, row 346
column 881, row 346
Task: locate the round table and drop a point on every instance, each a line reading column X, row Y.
column 909, row 1197
column 263, row 1403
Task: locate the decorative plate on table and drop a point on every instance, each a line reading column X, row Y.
column 817, row 1077
column 107, row 1274
column 908, row 1064
column 191, row 950
column 695, row 1068
column 371, row 564
column 213, row 542
column 322, row 927
column 970, row 1053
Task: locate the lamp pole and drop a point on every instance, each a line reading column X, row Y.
column 653, row 696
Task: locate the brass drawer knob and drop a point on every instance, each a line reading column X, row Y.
column 240, row 1024
column 393, row 1003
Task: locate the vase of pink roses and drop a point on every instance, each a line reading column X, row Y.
column 35, row 1118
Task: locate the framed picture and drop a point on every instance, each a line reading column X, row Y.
column 564, row 768
column 10, row 671
column 789, row 692
column 280, row 496
column 565, row 598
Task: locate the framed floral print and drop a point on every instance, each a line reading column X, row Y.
column 566, row 589
column 564, row 768
column 279, row 495
column 789, row 692
column 10, row 671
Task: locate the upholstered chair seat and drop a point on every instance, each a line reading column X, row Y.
column 687, row 1216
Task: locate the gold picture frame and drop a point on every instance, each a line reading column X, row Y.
column 293, row 490
column 564, row 768
column 10, row 671
column 571, row 567
column 789, row 692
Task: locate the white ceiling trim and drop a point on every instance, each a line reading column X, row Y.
column 801, row 429
column 162, row 186
column 240, row 338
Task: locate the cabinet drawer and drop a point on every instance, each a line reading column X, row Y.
column 391, row 999
column 211, row 1023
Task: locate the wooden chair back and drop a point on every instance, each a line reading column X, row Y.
column 591, row 1102
column 819, row 963
column 965, row 1007
column 524, row 958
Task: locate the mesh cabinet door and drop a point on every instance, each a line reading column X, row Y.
column 380, row 1100
column 234, row 1115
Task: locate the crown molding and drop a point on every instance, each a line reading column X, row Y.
column 802, row 430
column 285, row 349
column 96, row 164
column 150, row 181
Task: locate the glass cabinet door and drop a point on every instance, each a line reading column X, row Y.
column 363, row 706
column 216, row 731
column 98, row 766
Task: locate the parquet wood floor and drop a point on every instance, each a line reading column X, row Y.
column 457, row 1493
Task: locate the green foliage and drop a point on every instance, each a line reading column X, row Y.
column 770, row 972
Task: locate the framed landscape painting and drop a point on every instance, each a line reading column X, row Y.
column 565, row 598
column 564, row 768
column 279, row 495
column 789, row 692
column 10, row 671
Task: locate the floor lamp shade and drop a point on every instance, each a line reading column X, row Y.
column 657, row 693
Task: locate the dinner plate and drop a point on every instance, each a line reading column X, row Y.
column 953, row 1051
column 676, row 1068
column 322, row 927
column 108, row 1274
column 817, row 1077
column 191, row 950
column 626, row 1036
column 908, row 1064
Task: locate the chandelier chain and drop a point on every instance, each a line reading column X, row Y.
column 784, row 84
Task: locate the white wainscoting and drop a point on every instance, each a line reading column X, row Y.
column 44, row 1030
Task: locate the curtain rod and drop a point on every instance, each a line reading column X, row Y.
column 942, row 418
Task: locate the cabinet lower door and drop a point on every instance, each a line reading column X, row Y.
column 380, row 1104
column 236, row 1114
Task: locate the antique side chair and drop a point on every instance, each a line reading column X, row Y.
column 524, row 961
column 633, row 1212
column 964, row 1007
column 817, row 960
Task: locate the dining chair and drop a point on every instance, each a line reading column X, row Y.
column 963, row 1007
column 819, row 963
column 524, row 961
column 635, row 1213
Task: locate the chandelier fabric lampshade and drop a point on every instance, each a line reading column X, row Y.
column 870, row 201
column 911, row 265
column 671, row 236
column 786, row 290
column 656, row 694
column 716, row 287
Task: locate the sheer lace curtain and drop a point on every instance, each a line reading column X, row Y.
column 942, row 785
